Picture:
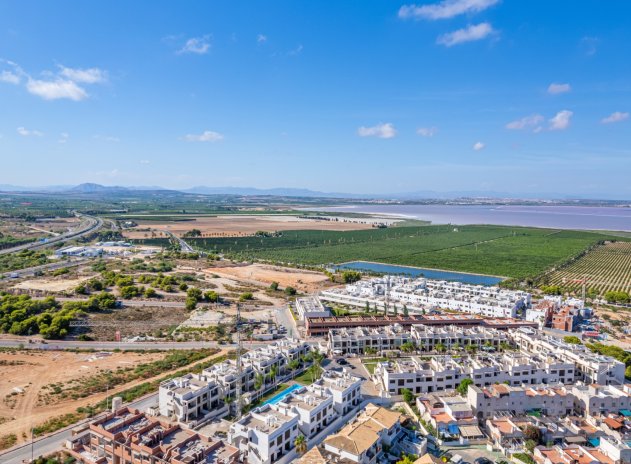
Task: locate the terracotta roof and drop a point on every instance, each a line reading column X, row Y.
column 613, row 423
column 313, row 456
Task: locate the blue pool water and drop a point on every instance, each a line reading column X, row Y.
column 474, row 279
column 278, row 397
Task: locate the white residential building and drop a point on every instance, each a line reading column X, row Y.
column 265, row 434
column 550, row 400
column 314, row 406
column 190, row 398
column 595, row 399
column 424, row 294
column 344, row 388
column 311, row 307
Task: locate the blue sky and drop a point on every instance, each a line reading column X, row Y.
column 369, row 97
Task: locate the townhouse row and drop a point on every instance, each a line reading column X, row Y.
column 195, row 398
column 425, row 294
column 424, row 338
column 269, row 432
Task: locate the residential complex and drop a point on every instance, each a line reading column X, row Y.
column 196, row 398
column 268, row 432
column 424, row 338
column 420, row 295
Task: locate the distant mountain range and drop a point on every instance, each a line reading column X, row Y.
column 89, row 188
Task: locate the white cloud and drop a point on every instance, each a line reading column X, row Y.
column 107, row 138
column 29, row 133
column 427, row 131
column 589, row 45
column 561, row 120
column 555, row 89
column 526, row 122
column 57, row 89
column 145, row 162
column 87, row 76
column 261, row 38
column 383, row 131
column 296, row 51
column 467, row 34
column 478, row 146
column 206, row 136
column 9, row 77
column 445, row 9
column 63, row 137
column 197, row 45
column 615, row 117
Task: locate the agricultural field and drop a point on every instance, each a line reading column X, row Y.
column 605, row 268
column 514, row 252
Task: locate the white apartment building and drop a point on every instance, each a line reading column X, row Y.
column 428, row 337
column 265, row 434
column 194, row 398
column 589, row 367
column 344, row 388
column 596, row 400
column 311, row 306
column 424, row 294
column 357, row 340
column 445, row 372
column 550, row 400
column 314, row 406
column 190, row 398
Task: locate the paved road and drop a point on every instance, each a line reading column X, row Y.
column 51, row 443
column 284, row 318
column 74, row 344
column 185, row 247
column 31, row 271
column 91, row 224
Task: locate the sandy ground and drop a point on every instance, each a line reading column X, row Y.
column 46, row 285
column 263, row 274
column 38, row 369
column 221, row 226
column 20, row 228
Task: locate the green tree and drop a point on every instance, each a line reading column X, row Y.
column 194, row 293
column 301, row 444
column 406, row 313
column 211, row 296
column 463, row 386
column 440, row 347
column 190, row 303
column 245, row 296
column 572, row 340
column 290, row 291
column 408, row 396
column 274, row 286
column 351, row 276
column 150, row 293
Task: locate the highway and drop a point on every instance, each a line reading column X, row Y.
column 185, row 247
column 91, row 224
column 31, row 271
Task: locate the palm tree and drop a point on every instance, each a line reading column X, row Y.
column 440, row 347
column 273, row 372
column 301, row 444
column 259, row 380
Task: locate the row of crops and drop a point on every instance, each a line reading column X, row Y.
column 496, row 250
column 605, row 268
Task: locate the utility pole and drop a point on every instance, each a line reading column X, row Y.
column 239, row 365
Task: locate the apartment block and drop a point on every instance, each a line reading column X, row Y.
column 190, row 398
column 602, row 399
column 344, row 388
column 265, row 434
column 314, row 406
column 550, row 400
column 130, row 437
column 589, row 367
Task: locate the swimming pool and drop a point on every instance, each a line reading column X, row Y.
column 278, row 397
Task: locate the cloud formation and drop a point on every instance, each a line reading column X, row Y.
column 206, row 136
column 261, row 38
column 196, row 45
column 527, row 122
column 467, row 34
column 382, row 131
column 445, row 9
column 616, row 116
column 29, row 133
column 86, row 76
column 427, row 131
column 561, row 120
column 65, row 84
column 478, row 146
column 555, row 89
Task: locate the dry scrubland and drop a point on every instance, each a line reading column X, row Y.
column 26, row 379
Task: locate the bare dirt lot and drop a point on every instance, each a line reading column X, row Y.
column 50, row 285
column 263, row 274
column 246, row 225
column 45, row 228
column 25, row 374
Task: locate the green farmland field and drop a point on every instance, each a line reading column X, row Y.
column 496, row 250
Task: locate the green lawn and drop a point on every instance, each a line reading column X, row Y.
column 495, row 250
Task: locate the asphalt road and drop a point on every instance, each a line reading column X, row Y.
column 108, row 346
column 31, row 271
column 92, row 224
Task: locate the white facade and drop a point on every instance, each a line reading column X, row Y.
column 425, row 294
